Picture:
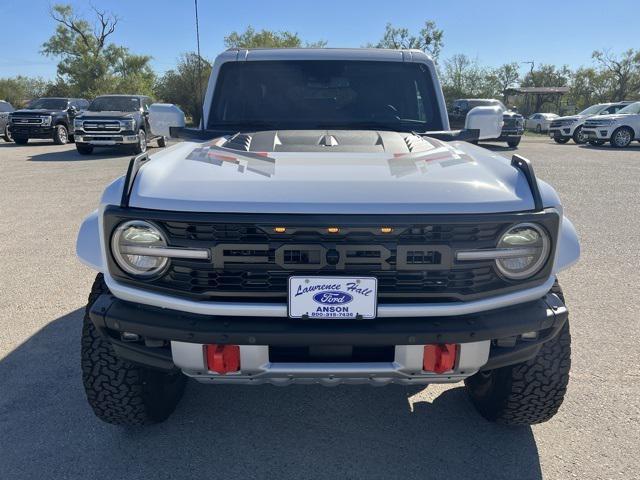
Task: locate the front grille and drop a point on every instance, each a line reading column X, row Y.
column 594, row 124
column 556, row 124
column 251, row 262
column 26, row 120
column 101, row 126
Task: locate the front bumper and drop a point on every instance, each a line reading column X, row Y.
column 170, row 339
column 31, row 131
column 561, row 132
column 511, row 133
column 598, row 133
column 122, row 138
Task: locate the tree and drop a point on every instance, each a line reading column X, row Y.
column 182, row 84
column 589, row 86
column 463, row 77
column 429, row 39
column 624, row 70
column 18, row 90
column 267, row 39
column 89, row 64
column 504, row 77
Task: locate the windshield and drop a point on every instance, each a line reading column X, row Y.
column 48, row 104
column 592, row 110
column 115, row 104
column 634, row 109
column 325, row 94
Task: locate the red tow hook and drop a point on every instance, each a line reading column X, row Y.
column 223, row 358
column 439, row 358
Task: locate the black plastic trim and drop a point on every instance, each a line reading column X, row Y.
column 114, row 314
column 525, row 167
column 134, row 166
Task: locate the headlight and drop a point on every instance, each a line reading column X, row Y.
column 46, row 120
column 128, row 124
column 128, row 245
column 77, row 124
column 526, row 249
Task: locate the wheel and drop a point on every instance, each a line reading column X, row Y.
column 84, row 149
column 7, row 134
column 560, row 140
column 21, row 140
column 529, row 392
column 596, row 143
column 60, row 135
column 120, row 392
column 622, row 137
column 162, row 142
column 578, row 136
column 141, row 146
column 514, row 143
column 538, row 128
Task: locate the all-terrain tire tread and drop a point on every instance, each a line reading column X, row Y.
column 117, row 390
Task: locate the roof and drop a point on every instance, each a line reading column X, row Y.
column 375, row 54
column 538, row 90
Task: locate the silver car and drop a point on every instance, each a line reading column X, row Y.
column 5, row 109
column 540, row 122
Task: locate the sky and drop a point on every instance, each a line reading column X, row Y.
column 493, row 32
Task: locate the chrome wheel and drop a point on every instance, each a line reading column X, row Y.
column 622, row 137
column 142, row 142
column 62, row 134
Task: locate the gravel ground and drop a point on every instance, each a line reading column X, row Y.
column 48, row 431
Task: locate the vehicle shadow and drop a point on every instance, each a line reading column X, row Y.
column 47, row 429
column 609, row 148
column 497, row 148
column 70, row 155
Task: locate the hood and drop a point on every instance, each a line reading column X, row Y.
column 37, row 111
column 88, row 114
column 511, row 114
column 338, row 172
column 570, row 117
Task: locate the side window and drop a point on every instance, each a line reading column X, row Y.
column 612, row 109
column 83, row 104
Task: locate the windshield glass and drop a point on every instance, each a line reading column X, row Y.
column 115, row 104
column 592, row 110
column 48, row 104
column 634, row 108
column 325, row 94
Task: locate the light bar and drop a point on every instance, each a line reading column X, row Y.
column 170, row 252
column 495, row 253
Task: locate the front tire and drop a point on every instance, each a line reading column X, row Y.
column 560, row 140
column 7, row 134
column 514, row 143
column 526, row 393
column 622, row 137
column 578, row 136
column 141, row 146
column 162, row 142
column 120, row 392
column 61, row 135
column 84, row 149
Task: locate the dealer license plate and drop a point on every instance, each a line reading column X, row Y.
column 333, row 297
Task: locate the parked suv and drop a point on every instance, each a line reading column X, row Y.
column 49, row 118
column 5, row 109
column 513, row 123
column 116, row 120
column 563, row 129
column 326, row 227
column 620, row 129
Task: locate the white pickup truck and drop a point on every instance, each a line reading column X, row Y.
column 325, row 226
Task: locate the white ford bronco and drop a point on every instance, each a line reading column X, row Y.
column 325, row 226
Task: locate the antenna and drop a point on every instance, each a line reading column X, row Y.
column 199, row 69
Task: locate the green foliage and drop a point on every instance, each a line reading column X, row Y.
column 90, row 65
column 250, row 38
column 19, row 90
column 185, row 85
column 429, row 39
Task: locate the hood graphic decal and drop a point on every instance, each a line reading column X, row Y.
column 258, row 163
column 402, row 165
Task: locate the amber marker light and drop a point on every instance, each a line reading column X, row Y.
column 280, row 229
column 333, row 230
column 386, row 229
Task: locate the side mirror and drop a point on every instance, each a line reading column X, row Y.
column 163, row 117
column 73, row 109
column 488, row 120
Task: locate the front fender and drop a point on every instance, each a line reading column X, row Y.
column 568, row 249
column 88, row 243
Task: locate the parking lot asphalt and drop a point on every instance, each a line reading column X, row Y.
column 48, row 431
